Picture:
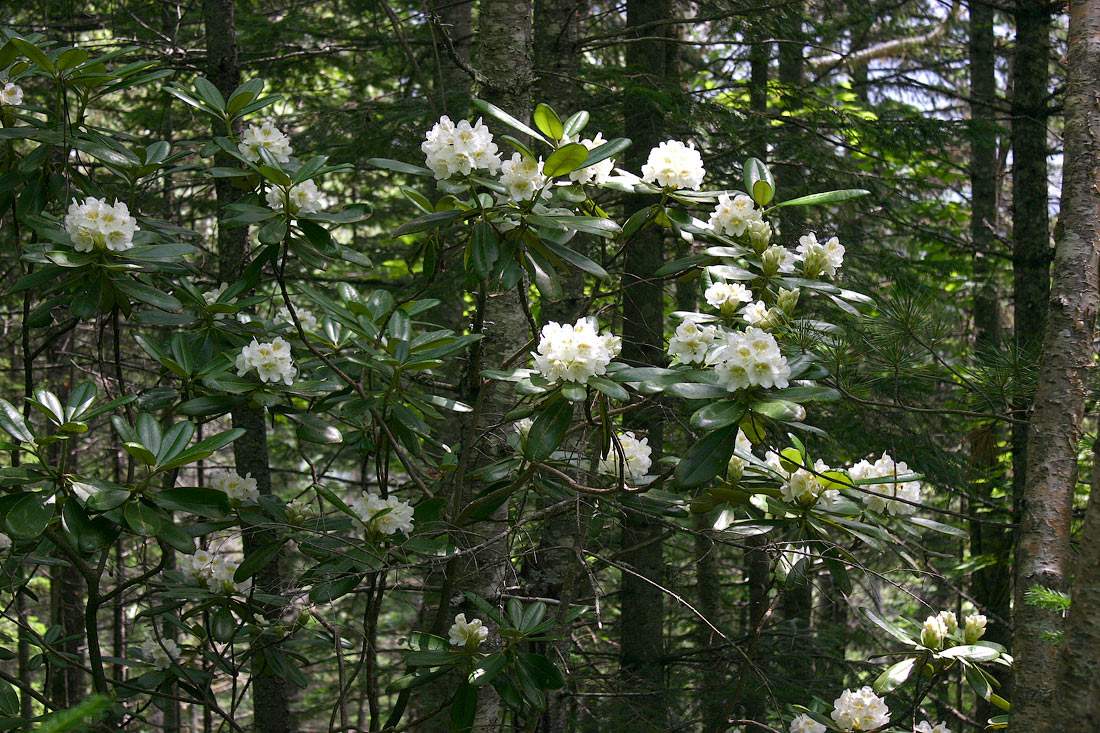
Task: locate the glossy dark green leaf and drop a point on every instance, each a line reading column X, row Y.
column 548, row 430
column 707, row 458
column 718, row 415
column 565, row 159
column 501, row 116
column 827, row 197
column 463, row 708
column 142, row 519
column 28, row 517
column 199, row 500
column 257, row 560
column 482, row 252
column 894, row 676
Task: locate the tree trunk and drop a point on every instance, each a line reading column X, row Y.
column 1042, row 553
column 270, row 693
column 641, row 625
column 1030, row 225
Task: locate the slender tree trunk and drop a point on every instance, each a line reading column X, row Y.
column 641, row 623
column 1030, row 221
column 270, row 693
column 1080, row 702
column 1054, row 432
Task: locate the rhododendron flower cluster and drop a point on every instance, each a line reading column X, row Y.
column 801, row 486
column 305, row 198
column 305, row 317
column 727, row 297
column 211, row 296
column 692, row 342
column 635, row 458
column 11, row 95
column 467, row 634
column 926, row 727
column 778, row 259
column 886, row 467
column 458, row 150
column 523, row 177
column 597, row 172
column 672, row 164
column 820, row 258
column 974, row 627
column 271, row 360
column 264, row 137
column 160, row 653
column 238, row 488
column 575, row 353
column 523, row 427
column 757, row 314
column 370, row 507
column 860, row 710
column 213, row 571
column 751, row 359
column 732, row 216
column 95, row 224
column 933, row 632
column 805, row 724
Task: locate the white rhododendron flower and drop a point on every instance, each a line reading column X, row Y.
column 674, row 165
column 933, row 632
column 266, row 137
column 885, row 467
column 817, row 257
column 926, row 727
column 860, row 710
column 212, row 571
column 805, row 724
column 575, row 353
column 523, row 427
column 751, row 359
column 211, row 296
column 305, row 198
column 11, row 95
column 458, row 150
column 306, row 318
column 974, row 627
column 95, row 224
column 636, row 458
column 692, row 342
column 5, row 542
column 236, row 487
column 370, row 508
column 950, row 621
column 271, row 360
column 467, row 634
column 732, row 216
column 160, row 653
column 523, row 177
column 298, row 510
column 727, row 297
column 598, row 172
column 755, row 313
column 801, row 486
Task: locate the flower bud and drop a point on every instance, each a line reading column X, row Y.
column 933, row 632
column 760, row 235
column 787, row 300
column 814, row 264
column 770, row 261
column 735, row 469
column 950, row 621
column 974, row 628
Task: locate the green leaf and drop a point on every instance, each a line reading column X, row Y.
column 548, row 430
column 759, row 182
column 142, row 519
column 35, row 54
column 330, row 590
column 487, row 669
column 209, row 94
column 174, row 536
column 718, row 414
column 612, row 147
column 12, row 423
column 313, row 429
column 886, row 626
column 589, row 224
column 542, row 671
column 977, row 681
column 939, row 527
column 827, row 197
column 483, row 250
column 428, row 222
column 707, row 458
column 28, row 517
column 175, row 441
column 548, row 122
column 565, row 159
column 88, row 535
column 501, row 116
column 199, row 500
column 398, row 167
column 576, row 259
column 146, row 294
column 463, row 708
column 576, row 122
column 257, row 560
column 895, row 676
column 970, row 652
column 140, row 453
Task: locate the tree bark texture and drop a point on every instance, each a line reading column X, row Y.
column 641, row 626
column 1054, row 432
column 270, row 692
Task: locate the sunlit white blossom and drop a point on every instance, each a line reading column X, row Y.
column 732, row 216
column 212, row 571
column 305, row 317
column 388, row 516
column 727, row 297
column 11, row 95
column 749, row 359
column 95, row 224
column 597, row 172
column 238, row 488
column 272, row 361
column 575, row 353
column 523, row 178
column 672, row 164
column 264, row 137
column 635, row 457
column 886, row 467
column 692, row 342
column 805, row 724
column 860, row 710
column 459, row 150
column 160, row 653
column 820, row 257
column 974, row 627
column 926, row 727
column 305, row 198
